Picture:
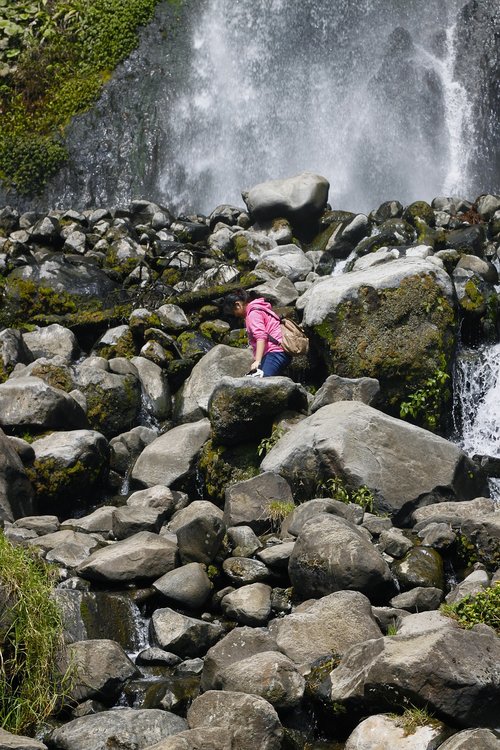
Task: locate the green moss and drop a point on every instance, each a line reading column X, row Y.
column 483, row 607
column 399, row 336
column 319, row 673
column 24, row 300
column 124, row 347
column 120, row 266
column 221, row 466
column 107, row 407
column 64, row 53
column 419, row 210
column 57, row 377
column 50, row 480
column 474, row 301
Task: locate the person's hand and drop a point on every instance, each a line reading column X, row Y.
column 256, row 365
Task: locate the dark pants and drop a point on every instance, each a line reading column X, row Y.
column 273, row 363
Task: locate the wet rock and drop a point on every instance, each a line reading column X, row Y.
column 126, row 728
column 328, row 626
column 155, row 388
column 421, row 566
column 252, row 721
column 268, row 674
column 171, row 457
column 144, row 556
column 318, row 562
column 185, row 636
column 101, row 669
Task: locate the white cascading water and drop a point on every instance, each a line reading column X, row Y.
column 477, row 403
column 362, row 93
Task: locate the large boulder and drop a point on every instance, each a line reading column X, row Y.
column 253, row 722
column 242, row 409
column 328, row 626
column 127, row 728
column 183, row 635
column 450, row 671
column 191, row 402
column 404, row 466
column 113, row 401
column 298, row 198
column 395, row 322
column 171, row 458
column 142, row 557
column 69, row 464
column 30, row 402
column 240, row 643
column 16, row 492
column 472, row 739
column 268, row 674
column 331, row 554
column 285, row 260
column 389, row 731
column 253, row 501
column 51, row 341
column 101, row 667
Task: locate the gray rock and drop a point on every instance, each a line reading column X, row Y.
column 452, row 512
column 113, row 401
column 280, row 292
column 128, row 446
column 376, row 524
column 394, row 543
column 191, row 402
column 472, row 739
column 425, row 622
column 200, row 531
column 142, row 557
column 70, row 464
column 473, row 584
column 389, row 732
column 126, row 728
column 48, row 542
column 484, row 533
column 437, row 535
column 251, row 502
column 277, row 556
column 243, row 540
column 23, row 449
column 188, row 586
column 328, row 626
column 240, row 643
column 419, row 599
column 268, row 674
column 478, row 266
column 171, row 457
column 10, row 741
column 155, row 388
column 424, row 670
column 51, row 341
column 421, row 566
column 205, row 738
column 253, row 722
column 318, row 562
column 185, row 636
column 101, row 668
column 296, row 198
column 370, row 448
column 173, row 317
column 487, row 205
column 40, row 524
column 100, row 521
column 16, row 492
column 248, row 605
column 305, row 511
column 336, row 388
column 242, row 570
column 242, row 409
column 127, row 521
column 13, row 350
column 30, row 402
column 158, row 496
column 285, row 260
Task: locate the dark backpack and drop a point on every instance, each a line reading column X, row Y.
column 293, row 337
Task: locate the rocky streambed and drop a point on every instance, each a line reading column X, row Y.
column 248, row 563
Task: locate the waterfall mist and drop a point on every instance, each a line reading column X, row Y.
column 385, row 99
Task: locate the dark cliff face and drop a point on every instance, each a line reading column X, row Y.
column 221, row 95
column 478, row 68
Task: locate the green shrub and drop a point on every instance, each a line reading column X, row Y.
column 31, row 631
column 483, row 607
column 55, row 55
column 425, row 405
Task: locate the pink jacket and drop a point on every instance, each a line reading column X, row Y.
column 259, row 324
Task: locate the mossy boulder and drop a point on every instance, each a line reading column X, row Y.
column 222, row 466
column 419, row 210
column 113, row 401
column 395, row 322
column 421, row 566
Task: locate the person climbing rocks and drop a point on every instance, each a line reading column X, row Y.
column 263, row 329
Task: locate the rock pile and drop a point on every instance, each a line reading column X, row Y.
column 283, row 547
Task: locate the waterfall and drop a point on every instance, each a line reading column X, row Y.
column 477, row 403
column 387, row 99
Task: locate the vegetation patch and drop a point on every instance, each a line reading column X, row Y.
column 426, row 405
column 31, row 631
column 55, row 56
column 483, row 607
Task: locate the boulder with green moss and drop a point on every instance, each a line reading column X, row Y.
column 395, row 322
column 221, row 466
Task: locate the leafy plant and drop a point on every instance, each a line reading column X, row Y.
column 483, row 607
column 266, row 444
column 425, row 404
column 335, row 488
column 31, row 631
column 278, row 510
